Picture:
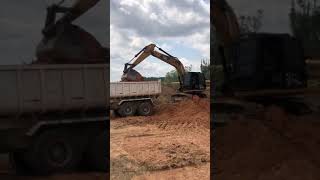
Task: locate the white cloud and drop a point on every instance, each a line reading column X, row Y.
column 169, row 24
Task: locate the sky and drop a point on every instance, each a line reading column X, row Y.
column 21, row 23
column 275, row 20
column 180, row 27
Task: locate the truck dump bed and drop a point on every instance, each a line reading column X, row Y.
column 134, row 89
column 46, row 88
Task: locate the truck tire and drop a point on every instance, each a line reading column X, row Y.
column 127, row 109
column 53, row 151
column 145, row 108
column 18, row 163
column 97, row 154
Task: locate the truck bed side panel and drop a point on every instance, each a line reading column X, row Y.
column 134, row 89
column 45, row 88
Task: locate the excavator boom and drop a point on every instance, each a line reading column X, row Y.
column 165, row 57
column 225, row 22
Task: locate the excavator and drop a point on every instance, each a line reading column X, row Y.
column 255, row 61
column 262, row 68
column 191, row 83
column 66, row 43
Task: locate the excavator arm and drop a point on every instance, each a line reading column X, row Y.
column 227, row 31
column 225, row 22
column 78, row 8
column 164, row 56
column 64, row 42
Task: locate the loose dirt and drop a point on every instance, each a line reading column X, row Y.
column 279, row 147
column 174, row 143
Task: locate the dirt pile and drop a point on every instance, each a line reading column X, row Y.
column 257, row 150
column 187, row 115
column 175, row 140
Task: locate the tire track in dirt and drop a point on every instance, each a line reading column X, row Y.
column 177, row 136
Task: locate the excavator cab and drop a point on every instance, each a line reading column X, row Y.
column 194, row 81
column 267, row 61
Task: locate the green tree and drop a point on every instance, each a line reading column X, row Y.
column 205, row 68
column 173, row 76
column 153, row 78
column 305, row 25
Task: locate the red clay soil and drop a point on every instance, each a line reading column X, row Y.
column 188, row 114
column 167, row 145
column 253, row 149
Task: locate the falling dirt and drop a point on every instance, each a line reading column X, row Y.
column 167, row 145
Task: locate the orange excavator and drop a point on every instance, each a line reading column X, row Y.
column 262, row 68
column 255, row 61
column 191, row 83
column 66, row 43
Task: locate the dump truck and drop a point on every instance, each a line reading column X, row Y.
column 54, row 111
column 53, row 117
column 131, row 98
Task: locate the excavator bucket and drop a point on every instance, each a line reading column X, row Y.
column 131, row 75
column 65, row 43
column 72, row 46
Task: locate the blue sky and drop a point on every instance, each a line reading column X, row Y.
column 181, row 28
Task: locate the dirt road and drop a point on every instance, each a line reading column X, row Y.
column 172, row 144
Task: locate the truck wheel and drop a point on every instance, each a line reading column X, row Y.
column 127, row 109
column 145, row 109
column 53, row 151
column 18, row 163
column 97, row 154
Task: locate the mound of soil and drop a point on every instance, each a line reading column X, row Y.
column 167, row 145
column 252, row 149
column 191, row 115
column 187, row 115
